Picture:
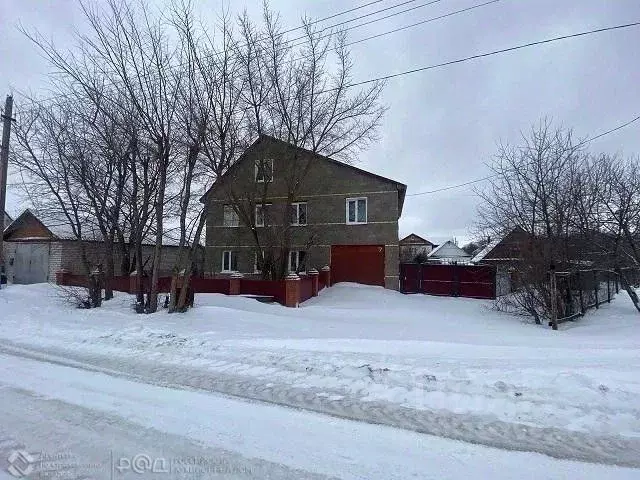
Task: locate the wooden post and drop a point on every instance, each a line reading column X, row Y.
column 554, row 304
column 581, row 293
column 596, row 287
column 617, row 284
column 608, row 287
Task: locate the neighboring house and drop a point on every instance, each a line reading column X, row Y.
column 448, row 253
column 35, row 251
column 341, row 216
column 505, row 249
column 413, row 246
column 503, row 252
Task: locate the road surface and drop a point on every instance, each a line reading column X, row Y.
column 75, row 423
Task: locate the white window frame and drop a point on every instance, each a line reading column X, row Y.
column 296, row 206
column 366, row 206
column 296, row 254
column 229, row 270
column 255, row 214
column 257, row 169
column 237, row 217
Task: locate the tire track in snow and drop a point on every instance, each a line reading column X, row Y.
column 554, row 442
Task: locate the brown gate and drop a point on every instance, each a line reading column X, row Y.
column 357, row 263
column 474, row 281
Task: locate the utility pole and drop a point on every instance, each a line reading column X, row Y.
column 4, row 165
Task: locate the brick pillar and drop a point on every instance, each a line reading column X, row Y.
column 61, row 276
column 314, row 274
column 326, row 273
column 292, row 290
column 234, row 283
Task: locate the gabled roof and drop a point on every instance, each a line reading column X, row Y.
column 28, row 215
column 436, row 251
column 486, row 250
column 402, row 188
column 413, row 239
column 482, row 254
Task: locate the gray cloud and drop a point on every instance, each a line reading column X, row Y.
column 442, row 125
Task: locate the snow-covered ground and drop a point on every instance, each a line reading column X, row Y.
column 443, row 366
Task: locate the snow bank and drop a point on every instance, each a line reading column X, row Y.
column 368, row 344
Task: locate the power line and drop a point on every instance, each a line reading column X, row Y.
column 321, row 30
column 334, row 16
column 369, row 15
column 469, row 58
column 478, row 180
column 422, row 22
column 495, row 52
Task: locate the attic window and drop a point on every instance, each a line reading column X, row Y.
column 264, row 170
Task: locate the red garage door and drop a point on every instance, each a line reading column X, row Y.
column 357, row 263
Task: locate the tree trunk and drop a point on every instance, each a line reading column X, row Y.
column 139, row 277
column 157, row 251
column 109, row 271
column 186, row 281
column 630, row 290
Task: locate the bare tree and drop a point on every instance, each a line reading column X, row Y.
column 301, row 95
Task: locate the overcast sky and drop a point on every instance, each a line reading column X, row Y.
column 443, row 124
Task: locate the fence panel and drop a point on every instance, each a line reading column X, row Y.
column 580, row 290
column 410, row 277
column 477, row 281
column 271, row 288
column 210, row 285
column 306, row 288
column 473, row 281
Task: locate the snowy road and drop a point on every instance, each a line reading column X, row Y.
column 88, row 421
column 475, row 429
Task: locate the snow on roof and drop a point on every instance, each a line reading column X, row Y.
column 458, row 252
column 485, row 251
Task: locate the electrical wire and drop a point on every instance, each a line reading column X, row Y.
column 478, row 180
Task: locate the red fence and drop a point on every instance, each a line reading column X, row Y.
column 277, row 289
column 306, row 288
column 474, row 281
column 270, row 288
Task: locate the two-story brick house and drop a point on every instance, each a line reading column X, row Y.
column 326, row 213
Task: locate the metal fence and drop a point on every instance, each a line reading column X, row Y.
column 577, row 291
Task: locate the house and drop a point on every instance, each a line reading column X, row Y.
column 504, row 252
column 35, row 251
column 413, row 246
column 504, row 249
column 448, row 253
column 327, row 213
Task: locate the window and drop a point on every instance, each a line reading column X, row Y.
column 262, row 215
column 357, row 210
column 231, row 218
column 299, row 213
column 264, row 170
column 229, row 261
column 297, row 260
